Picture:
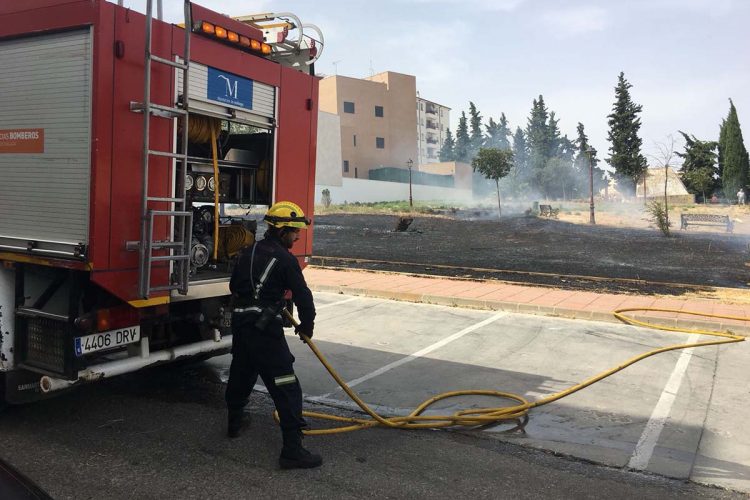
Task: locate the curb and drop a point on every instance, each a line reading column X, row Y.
column 525, row 308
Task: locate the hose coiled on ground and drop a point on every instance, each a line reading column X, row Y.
column 481, row 417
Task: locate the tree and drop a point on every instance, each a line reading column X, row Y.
column 520, row 172
column 537, row 136
column 477, row 137
column 461, row 150
column 734, row 157
column 492, row 140
column 493, row 164
column 447, row 152
column 624, row 124
column 503, row 132
column 557, row 177
column 699, row 171
column 498, row 133
column 585, row 154
column 665, row 153
column 554, row 141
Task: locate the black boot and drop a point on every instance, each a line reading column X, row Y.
column 237, row 420
column 294, row 455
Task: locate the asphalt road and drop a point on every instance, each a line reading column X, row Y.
column 160, row 433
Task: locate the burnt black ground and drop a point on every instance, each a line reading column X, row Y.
column 516, row 245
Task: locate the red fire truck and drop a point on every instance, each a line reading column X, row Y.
column 124, row 143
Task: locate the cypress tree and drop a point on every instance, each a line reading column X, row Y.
column 520, row 151
column 537, row 136
column 554, row 141
column 624, row 124
column 503, row 132
column 476, row 138
column 581, row 163
column 447, row 152
column 461, row 150
column 733, row 154
column 519, row 175
column 492, row 139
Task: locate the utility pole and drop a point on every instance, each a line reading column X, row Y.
column 591, row 152
column 410, row 164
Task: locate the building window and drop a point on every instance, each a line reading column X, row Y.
column 348, row 107
column 380, row 143
column 379, row 111
column 346, row 166
column 355, row 140
column 356, row 176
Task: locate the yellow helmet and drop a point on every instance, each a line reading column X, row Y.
column 286, row 214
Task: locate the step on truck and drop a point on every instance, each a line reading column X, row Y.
column 135, row 155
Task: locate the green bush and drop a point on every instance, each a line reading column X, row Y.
column 658, row 215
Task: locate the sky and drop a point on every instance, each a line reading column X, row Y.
column 684, row 58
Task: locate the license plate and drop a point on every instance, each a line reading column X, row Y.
column 107, row 340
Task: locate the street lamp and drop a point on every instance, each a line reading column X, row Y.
column 410, row 164
column 591, row 152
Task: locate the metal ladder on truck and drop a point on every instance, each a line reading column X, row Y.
column 180, row 217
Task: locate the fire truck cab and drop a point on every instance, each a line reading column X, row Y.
column 135, row 159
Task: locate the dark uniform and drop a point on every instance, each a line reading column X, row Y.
column 263, row 274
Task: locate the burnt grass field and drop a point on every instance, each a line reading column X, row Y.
column 536, row 250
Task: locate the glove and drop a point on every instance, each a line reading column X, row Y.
column 304, row 330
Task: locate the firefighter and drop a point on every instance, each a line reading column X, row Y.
column 263, row 274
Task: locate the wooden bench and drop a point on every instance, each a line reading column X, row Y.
column 706, row 220
column 548, row 211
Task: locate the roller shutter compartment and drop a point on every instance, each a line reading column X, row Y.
column 45, row 141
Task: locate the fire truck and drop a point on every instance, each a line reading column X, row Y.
column 126, row 143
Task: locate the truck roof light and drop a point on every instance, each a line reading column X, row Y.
column 221, row 33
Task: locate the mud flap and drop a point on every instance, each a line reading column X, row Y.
column 22, row 386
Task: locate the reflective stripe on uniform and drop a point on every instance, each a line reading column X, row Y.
column 247, row 309
column 285, row 379
column 264, row 276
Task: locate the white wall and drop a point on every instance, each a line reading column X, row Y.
column 365, row 190
column 328, row 163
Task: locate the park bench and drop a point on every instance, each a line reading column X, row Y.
column 548, row 211
column 706, row 220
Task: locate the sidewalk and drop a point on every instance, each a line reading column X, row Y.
column 502, row 296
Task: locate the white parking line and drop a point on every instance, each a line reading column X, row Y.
column 418, row 354
column 646, row 444
column 318, row 308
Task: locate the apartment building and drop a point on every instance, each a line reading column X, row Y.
column 433, row 121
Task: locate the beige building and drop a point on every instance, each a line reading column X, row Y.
column 654, row 186
column 377, row 120
column 433, row 121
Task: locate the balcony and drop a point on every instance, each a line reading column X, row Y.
column 432, row 125
column 431, row 109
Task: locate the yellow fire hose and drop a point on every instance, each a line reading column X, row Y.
column 492, row 416
column 481, row 417
column 215, row 156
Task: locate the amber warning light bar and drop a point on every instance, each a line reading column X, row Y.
column 222, row 34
